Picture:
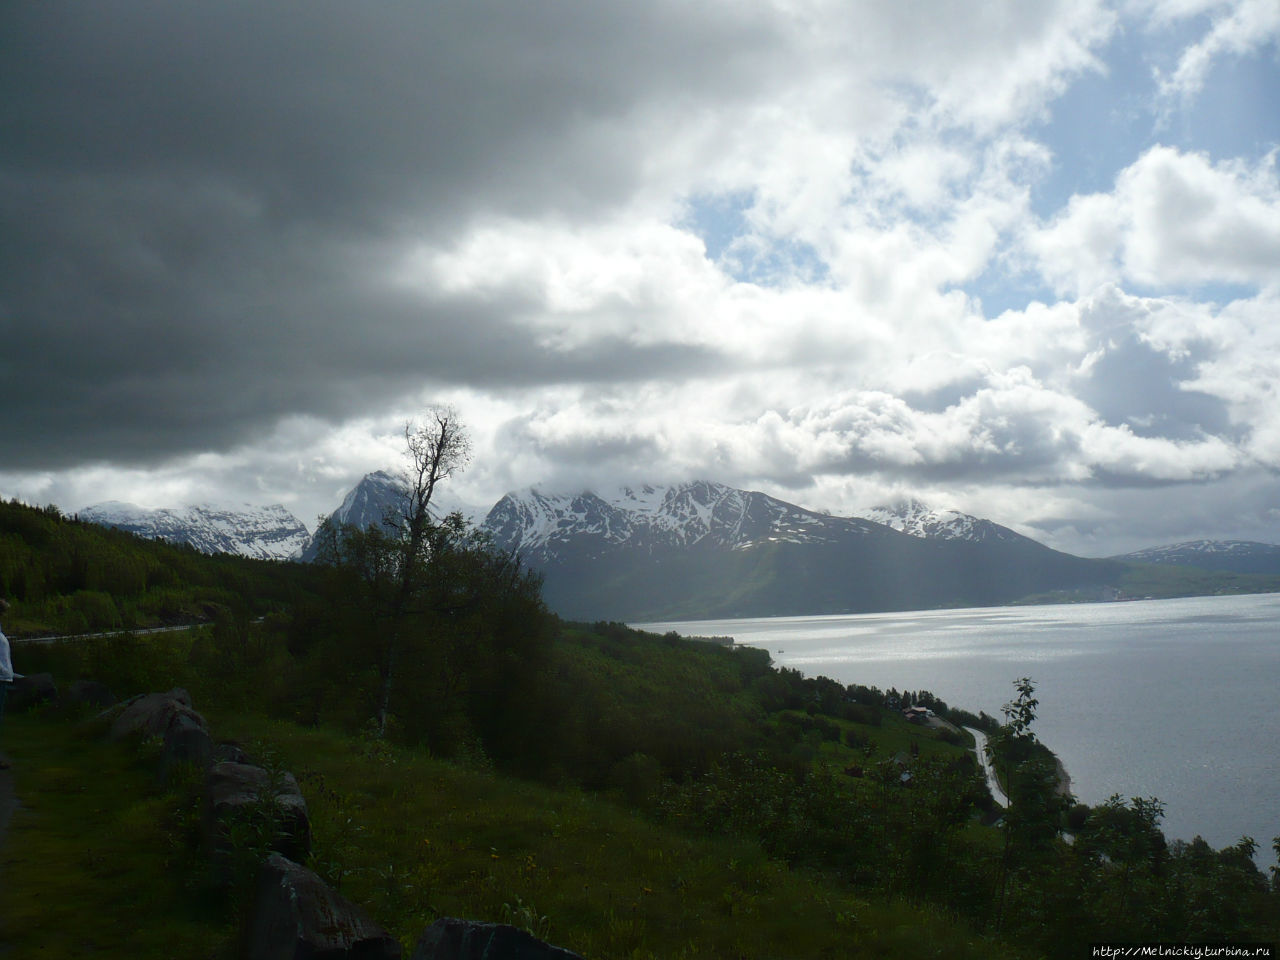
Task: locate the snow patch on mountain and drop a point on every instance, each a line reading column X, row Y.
column 1201, row 548
column 917, row 519
column 377, row 497
column 655, row 517
column 1238, row 556
column 266, row 533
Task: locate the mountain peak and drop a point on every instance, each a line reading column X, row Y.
column 917, row 519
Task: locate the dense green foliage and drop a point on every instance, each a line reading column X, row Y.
column 1118, row 880
column 464, row 628
column 66, row 576
column 1168, row 580
column 691, row 799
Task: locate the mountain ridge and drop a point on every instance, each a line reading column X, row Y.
column 656, row 517
column 911, row 516
column 1235, row 556
column 705, row 549
column 265, row 533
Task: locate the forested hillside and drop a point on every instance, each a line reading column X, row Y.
column 654, row 796
column 66, row 576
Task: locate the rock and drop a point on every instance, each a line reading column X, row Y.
column 186, row 741
column 238, row 793
column 166, row 715
column 296, row 915
column 152, row 714
column 89, row 693
column 31, row 691
column 452, row 939
column 230, row 751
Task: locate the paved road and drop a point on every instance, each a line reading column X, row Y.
column 980, row 748
column 105, row 633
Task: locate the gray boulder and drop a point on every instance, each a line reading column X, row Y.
column 168, row 716
column 296, row 916
column 186, row 741
column 230, row 751
column 452, row 939
column 270, row 807
column 151, row 714
column 32, row 690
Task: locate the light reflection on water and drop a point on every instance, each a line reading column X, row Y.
column 1178, row 699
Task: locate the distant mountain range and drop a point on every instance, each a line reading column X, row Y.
column 708, row 550
column 704, row 549
column 267, row 533
column 1236, row 556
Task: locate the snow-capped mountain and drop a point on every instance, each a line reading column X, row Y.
column 705, row 549
column 376, row 499
column 651, row 518
column 915, row 518
column 1237, row 556
column 267, row 533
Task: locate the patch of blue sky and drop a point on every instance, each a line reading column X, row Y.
column 1219, row 294
column 774, row 262
column 1000, row 288
column 721, row 221
column 1104, row 121
column 1236, row 114
column 718, row 219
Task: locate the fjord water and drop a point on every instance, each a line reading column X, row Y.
column 1176, row 699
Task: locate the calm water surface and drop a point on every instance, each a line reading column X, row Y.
column 1176, row 699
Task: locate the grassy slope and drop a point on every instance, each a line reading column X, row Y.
column 411, row 838
column 98, row 860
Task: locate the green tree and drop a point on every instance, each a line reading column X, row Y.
column 1120, row 858
column 393, row 565
column 456, row 631
column 1036, row 804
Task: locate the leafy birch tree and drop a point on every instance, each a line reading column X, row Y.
column 436, row 448
column 392, row 564
column 456, row 630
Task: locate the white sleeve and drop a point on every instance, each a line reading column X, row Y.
column 6, row 662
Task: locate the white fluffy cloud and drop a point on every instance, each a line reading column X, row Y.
column 1237, row 28
column 1174, row 220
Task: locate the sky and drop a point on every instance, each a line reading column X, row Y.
column 1017, row 259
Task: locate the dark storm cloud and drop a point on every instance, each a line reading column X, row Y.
column 334, row 110
column 201, row 203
